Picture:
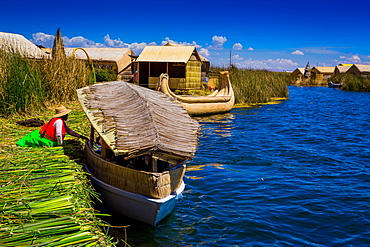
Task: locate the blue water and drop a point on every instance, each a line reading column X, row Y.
column 295, row 173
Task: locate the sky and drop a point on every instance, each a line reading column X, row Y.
column 260, row 34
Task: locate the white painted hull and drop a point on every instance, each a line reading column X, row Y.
column 136, row 206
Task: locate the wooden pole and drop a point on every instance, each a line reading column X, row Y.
column 103, row 149
column 92, row 131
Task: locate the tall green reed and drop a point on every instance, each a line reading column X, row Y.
column 258, row 86
column 20, row 84
column 352, row 82
column 29, row 85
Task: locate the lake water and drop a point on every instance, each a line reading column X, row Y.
column 295, row 173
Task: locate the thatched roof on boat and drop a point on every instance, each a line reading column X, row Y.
column 133, row 121
column 18, row 43
column 170, row 53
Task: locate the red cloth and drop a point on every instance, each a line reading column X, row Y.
column 48, row 130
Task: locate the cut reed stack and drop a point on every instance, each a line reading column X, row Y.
column 45, row 197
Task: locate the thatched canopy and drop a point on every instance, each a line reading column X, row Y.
column 135, row 121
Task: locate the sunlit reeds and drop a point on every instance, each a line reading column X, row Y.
column 258, row 86
column 29, row 84
column 351, row 82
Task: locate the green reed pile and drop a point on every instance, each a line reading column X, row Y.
column 45, row 196
column 352, row 82
column 45, row 200
column 258, row 86
column 28, row 84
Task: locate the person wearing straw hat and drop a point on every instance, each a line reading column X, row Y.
column 52, row 133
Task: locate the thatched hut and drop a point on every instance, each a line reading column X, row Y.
column 183, row 64
column 341, row 68
column 359, row 70
column 117, row 60
column 320, row 75
column 17, row 43
column 297, row 75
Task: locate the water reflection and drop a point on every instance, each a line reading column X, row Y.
column 220, row 124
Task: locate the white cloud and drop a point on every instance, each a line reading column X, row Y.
column 320, row 50
column 43, row 39
column 237, row 46
column 237, row 57
column 116, row 43
column 297, row 52
column 355, row 59
column 168, row 40
column 351, row 59
column 80, row 42
column 204, row 52
column 250, row 49
column 218, row 42
column 280, row 64
column 47, row 40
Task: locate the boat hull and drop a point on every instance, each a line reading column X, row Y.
column 135, row 206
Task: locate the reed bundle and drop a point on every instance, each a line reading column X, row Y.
column 45, row 197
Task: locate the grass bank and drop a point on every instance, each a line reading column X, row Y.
column 45, row 197
column 352, row 83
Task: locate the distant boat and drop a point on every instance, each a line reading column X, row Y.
column 220, row 101
column 331, row 84
column 137, row 168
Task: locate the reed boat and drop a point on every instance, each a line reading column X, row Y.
column 220, row 101
column 139, row 140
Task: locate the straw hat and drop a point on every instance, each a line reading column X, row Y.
column 61, row 111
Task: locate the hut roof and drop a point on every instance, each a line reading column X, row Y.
column 300, row 70
column 170, row 53
column 120, row 56
column 134, row 121
column 362, row 68
column 22, row 45
column 342, row 68
column 327, row 70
